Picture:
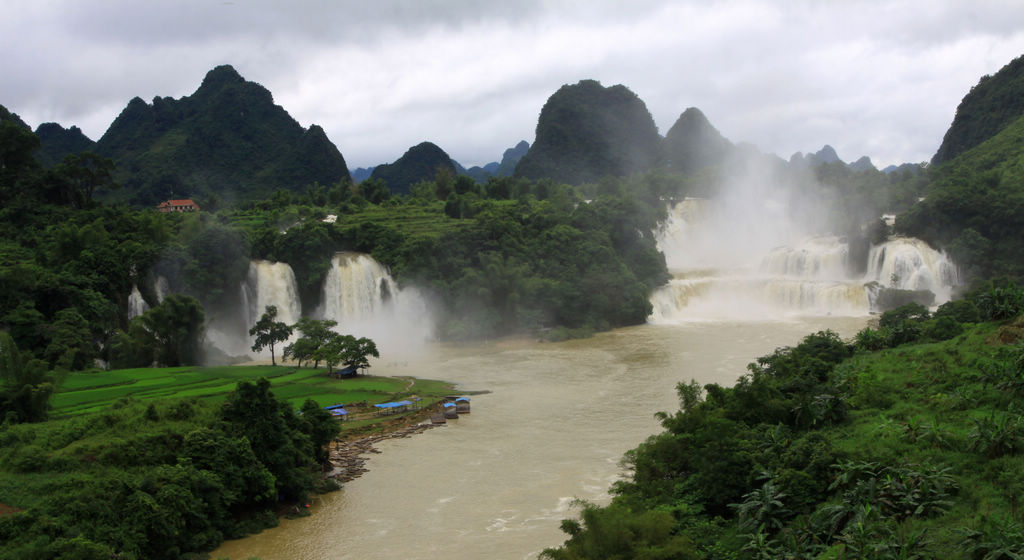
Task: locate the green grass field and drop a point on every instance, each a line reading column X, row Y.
column 88, row 392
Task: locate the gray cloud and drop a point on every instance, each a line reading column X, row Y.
column 869, row 77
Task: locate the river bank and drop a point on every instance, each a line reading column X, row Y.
column 348, row 456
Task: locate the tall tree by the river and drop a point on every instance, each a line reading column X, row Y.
column 269, row 332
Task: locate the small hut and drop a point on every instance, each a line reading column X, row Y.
column 451, row 411
column 462, row 405
column 338, row 411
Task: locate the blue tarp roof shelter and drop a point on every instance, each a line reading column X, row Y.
column 449, row 404
column 462, row 399
column 350, row 370
column 334, row 407
column 393, row 404
column 339, row 412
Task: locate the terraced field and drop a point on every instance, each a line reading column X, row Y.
column 87, row 392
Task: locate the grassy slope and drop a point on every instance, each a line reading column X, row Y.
column 921, row 404
column 87, row 392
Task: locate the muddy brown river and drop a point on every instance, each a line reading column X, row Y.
column 496, row 483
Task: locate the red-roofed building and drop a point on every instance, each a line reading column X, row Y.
column 187, row 205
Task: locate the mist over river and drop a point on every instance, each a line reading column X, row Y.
column 496, row 483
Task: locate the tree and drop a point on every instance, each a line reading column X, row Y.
column 358, row 351
column 315, row 333
column 348, row 350
column 78, row 176
column 269, row 332
column 25, row 385
column 175, row 328
column 275, row 435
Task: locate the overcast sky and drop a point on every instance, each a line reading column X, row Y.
column 875, row 78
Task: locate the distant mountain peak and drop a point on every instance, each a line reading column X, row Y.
column 693, row 143
column 694, row 117
column 827, row 154
column 419, row 163
column 863, row 164
column 587, row 131
column 223, row 74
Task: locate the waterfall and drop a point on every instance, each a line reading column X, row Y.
column 162, row 288
column 361, row 296
column 136, row 305
column 271, row 283
column 267, row 283
column 730, row 265
column 356, row 288
column 910, row 264
column 822, row 258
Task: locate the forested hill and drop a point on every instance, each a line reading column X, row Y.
column 56, row 142
column 996, row 102
column 975, row 206
column 419, row 163
column 227, row 141
column 587, row 131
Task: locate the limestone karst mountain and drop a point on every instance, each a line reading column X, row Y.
column 587, row 131
column 421, row 162
column 228, row 140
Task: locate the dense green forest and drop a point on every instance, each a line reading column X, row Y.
column 167, row 479
column 903, row 443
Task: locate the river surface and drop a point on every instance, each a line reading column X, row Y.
column 496, row 483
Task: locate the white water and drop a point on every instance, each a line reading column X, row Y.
column 724, row 271
column 267, row 283
column 271, row 283
column 911, row 264
column 361, row 296
column 358, row 293
column 136, row 304
column 162, row 288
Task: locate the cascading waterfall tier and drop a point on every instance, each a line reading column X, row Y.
column 726, row 272
column 267, row 283
column 360, row 295
column 911, row 264
column 356, row 288
column 271, row 283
